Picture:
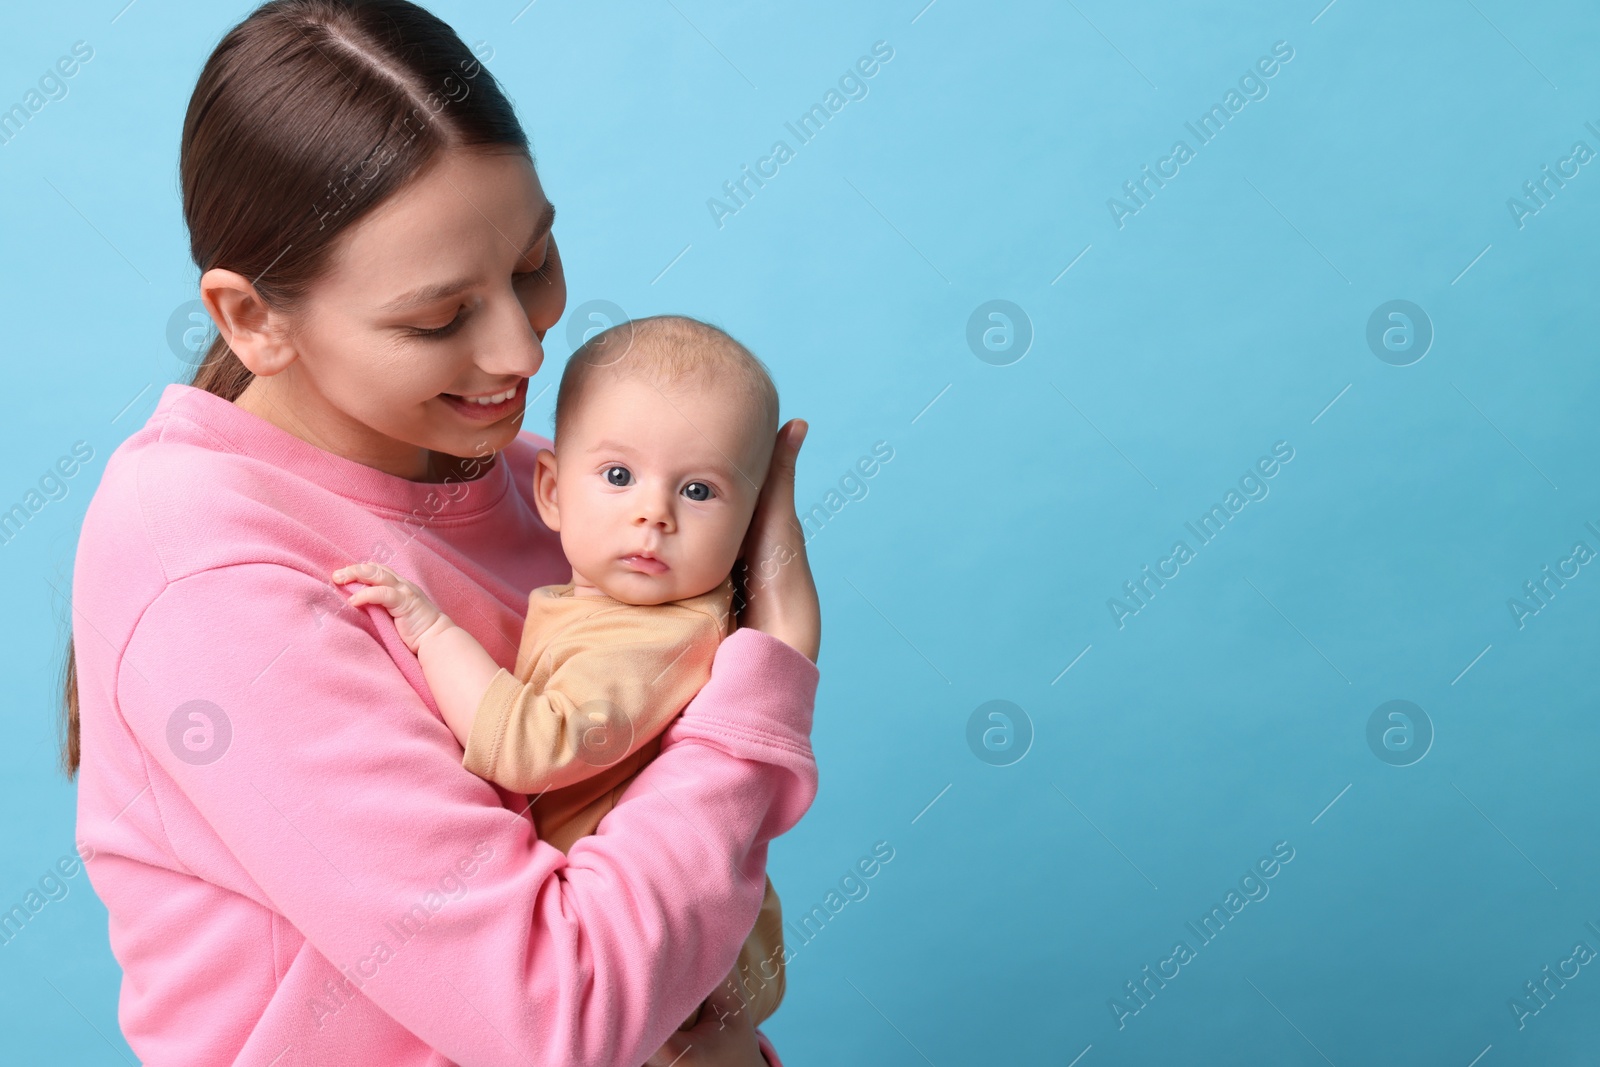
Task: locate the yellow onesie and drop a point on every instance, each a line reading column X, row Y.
column 596, row 682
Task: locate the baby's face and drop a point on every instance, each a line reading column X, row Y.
column 672, row 474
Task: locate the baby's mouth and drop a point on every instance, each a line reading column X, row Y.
column 645, row 563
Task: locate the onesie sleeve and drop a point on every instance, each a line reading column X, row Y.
column 617, row 679
column 340, row 794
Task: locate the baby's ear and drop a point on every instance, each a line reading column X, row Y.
column 544, row 488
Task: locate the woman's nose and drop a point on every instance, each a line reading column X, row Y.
column 512, row 346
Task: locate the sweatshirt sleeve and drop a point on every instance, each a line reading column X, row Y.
column 342, row 796
column 617, row 679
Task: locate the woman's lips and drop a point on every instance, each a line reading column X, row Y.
column 488, row 412
column 647, row 564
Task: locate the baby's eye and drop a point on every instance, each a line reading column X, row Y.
column 697, row 491
column 618, row 475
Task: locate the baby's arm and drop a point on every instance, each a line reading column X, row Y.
column 457, row 668
column 616, row 680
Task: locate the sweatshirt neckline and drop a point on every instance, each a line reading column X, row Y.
column 247, row 434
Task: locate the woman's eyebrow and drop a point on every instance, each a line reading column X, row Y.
column 428, row 293
column 547, row 219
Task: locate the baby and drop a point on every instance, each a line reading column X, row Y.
column 664, row 431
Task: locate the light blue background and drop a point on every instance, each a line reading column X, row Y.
column 1231, row 712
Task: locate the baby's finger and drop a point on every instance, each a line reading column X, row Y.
column 376, row 594
column 372, row 573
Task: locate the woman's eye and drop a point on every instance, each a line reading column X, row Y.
column 697, row 491
column 523, row 275
column 540, row 272
column 618, row 475
column 439, row 331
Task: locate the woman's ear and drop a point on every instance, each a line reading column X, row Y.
column 252, row 330
column 544, row 488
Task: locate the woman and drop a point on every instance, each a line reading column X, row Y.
column 297, row 868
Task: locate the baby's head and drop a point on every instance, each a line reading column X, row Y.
column 664, row 431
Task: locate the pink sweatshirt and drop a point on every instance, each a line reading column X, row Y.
column 297, row 868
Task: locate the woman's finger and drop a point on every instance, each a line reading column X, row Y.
column 774, row 513
column 790, row 437
column 780, row 478
column 780, row 595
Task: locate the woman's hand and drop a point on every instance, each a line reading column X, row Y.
column 725, row 1036
column 413, row 612
column 780, row 595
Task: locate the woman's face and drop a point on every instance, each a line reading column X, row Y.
column 438, row 298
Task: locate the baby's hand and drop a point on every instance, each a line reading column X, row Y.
column 414, row 614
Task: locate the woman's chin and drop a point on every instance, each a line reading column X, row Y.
column 481, row 442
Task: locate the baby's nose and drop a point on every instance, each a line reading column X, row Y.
column 653, row 513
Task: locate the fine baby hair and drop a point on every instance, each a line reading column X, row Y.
column 670, row 352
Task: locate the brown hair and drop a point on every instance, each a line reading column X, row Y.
column 308, row 115
column 669, row 350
